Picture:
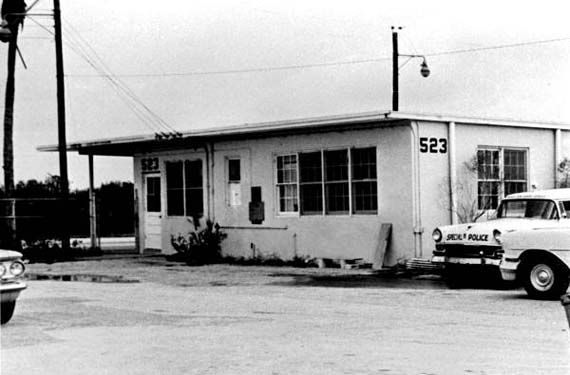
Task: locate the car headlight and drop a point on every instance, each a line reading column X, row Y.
column 2, row 270
column 497, row 235
column 436, row 235
column 17, row 268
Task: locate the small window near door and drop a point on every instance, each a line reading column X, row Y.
column 234, row 182
column 234, row 170
column 153, row 194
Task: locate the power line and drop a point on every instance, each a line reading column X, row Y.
column 320, row 65
column 477, row 49
column 82, row 48
column 143, row 112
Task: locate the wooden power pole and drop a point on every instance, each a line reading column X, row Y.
column 62, row 144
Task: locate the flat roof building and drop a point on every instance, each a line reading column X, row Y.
column 323, row 187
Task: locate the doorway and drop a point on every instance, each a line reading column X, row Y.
column 153, row 212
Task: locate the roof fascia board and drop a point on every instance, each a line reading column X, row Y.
column 476, row 121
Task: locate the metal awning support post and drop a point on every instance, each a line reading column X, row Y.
column 92, row 207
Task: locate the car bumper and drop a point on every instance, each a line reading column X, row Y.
column 509, row 269
column 9, row 292
column 471, row 261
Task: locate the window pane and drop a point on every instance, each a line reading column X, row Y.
column 488, row 164
column 174, row 188
column 153, row 194
column 515, row 164
column 312, row 199
column 234, row 170
column 337, row 198
column 364, row 184
column 194, row 202
column 365, row 198
column 193, row 191
column 488, row 195
column 287, row 169
column 288, row 198
column 531, row 209
column 514, row 187
column 310, row 167
column 363, row 163
column 193, row 173
column 336, row 165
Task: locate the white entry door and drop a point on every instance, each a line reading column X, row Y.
column 153, row 212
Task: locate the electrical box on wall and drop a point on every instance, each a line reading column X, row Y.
column 256, row 206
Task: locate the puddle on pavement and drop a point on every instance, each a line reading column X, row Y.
column 80, row 278
column 362, row 281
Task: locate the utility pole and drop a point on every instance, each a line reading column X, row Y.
column 395, row 83
column 424, row 71
column 62, row 144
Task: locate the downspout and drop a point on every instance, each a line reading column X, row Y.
column 452, row 173
column 416, row 191
column 208, row 177
column 213, row 186
column 557, row 154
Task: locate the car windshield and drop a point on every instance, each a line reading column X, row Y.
column 528, row 209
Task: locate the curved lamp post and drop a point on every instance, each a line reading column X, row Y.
column 424, row 69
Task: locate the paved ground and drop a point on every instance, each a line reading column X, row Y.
column 258, row 320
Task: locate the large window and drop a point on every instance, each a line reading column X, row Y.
column 500, row 172
column 184, row 188
column 287, row 183
column 331, row 182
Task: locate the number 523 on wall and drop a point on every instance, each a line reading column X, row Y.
column 433, row 145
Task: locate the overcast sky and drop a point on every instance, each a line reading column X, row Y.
column 171, row 58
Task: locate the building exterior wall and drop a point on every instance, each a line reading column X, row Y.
column 322, row 236
column 413, row 180
column 435, row 186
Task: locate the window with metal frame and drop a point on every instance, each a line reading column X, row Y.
column 500, row 171
column 330, row 182
column 364, row 180
column 287, row 183
column 184, row 188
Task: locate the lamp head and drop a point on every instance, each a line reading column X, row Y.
column 424, row 70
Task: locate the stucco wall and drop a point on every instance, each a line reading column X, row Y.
column 328, row 236
column 435, row 199
column 345, row 236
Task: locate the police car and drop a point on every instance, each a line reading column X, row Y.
column 539, row 259
column 480, row 243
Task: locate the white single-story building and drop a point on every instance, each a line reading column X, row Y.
column 322, row 187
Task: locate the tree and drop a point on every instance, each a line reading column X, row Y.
column 564, row 173
column 467, row 206
column 12, row 17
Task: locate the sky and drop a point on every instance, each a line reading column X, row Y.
column 198, row 64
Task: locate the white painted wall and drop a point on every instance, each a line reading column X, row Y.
column 345, row 236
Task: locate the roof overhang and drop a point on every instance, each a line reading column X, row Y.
column 129, row 146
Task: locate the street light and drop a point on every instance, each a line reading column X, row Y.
column 424, row 69
column 5, row 33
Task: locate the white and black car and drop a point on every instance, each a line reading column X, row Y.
column 539, row 259
column 479, row 244
column 11, row 271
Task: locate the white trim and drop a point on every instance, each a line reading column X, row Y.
column 308, row 123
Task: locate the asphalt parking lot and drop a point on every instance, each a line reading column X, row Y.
column 150, row 316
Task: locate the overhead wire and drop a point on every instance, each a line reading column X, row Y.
column 88, row 53
column 82, row 48
column 325, row 64
column 126, row 93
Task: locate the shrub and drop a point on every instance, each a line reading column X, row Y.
column 200, row 246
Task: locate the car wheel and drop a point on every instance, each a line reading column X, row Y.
column 544, row 279
column 7, row 311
